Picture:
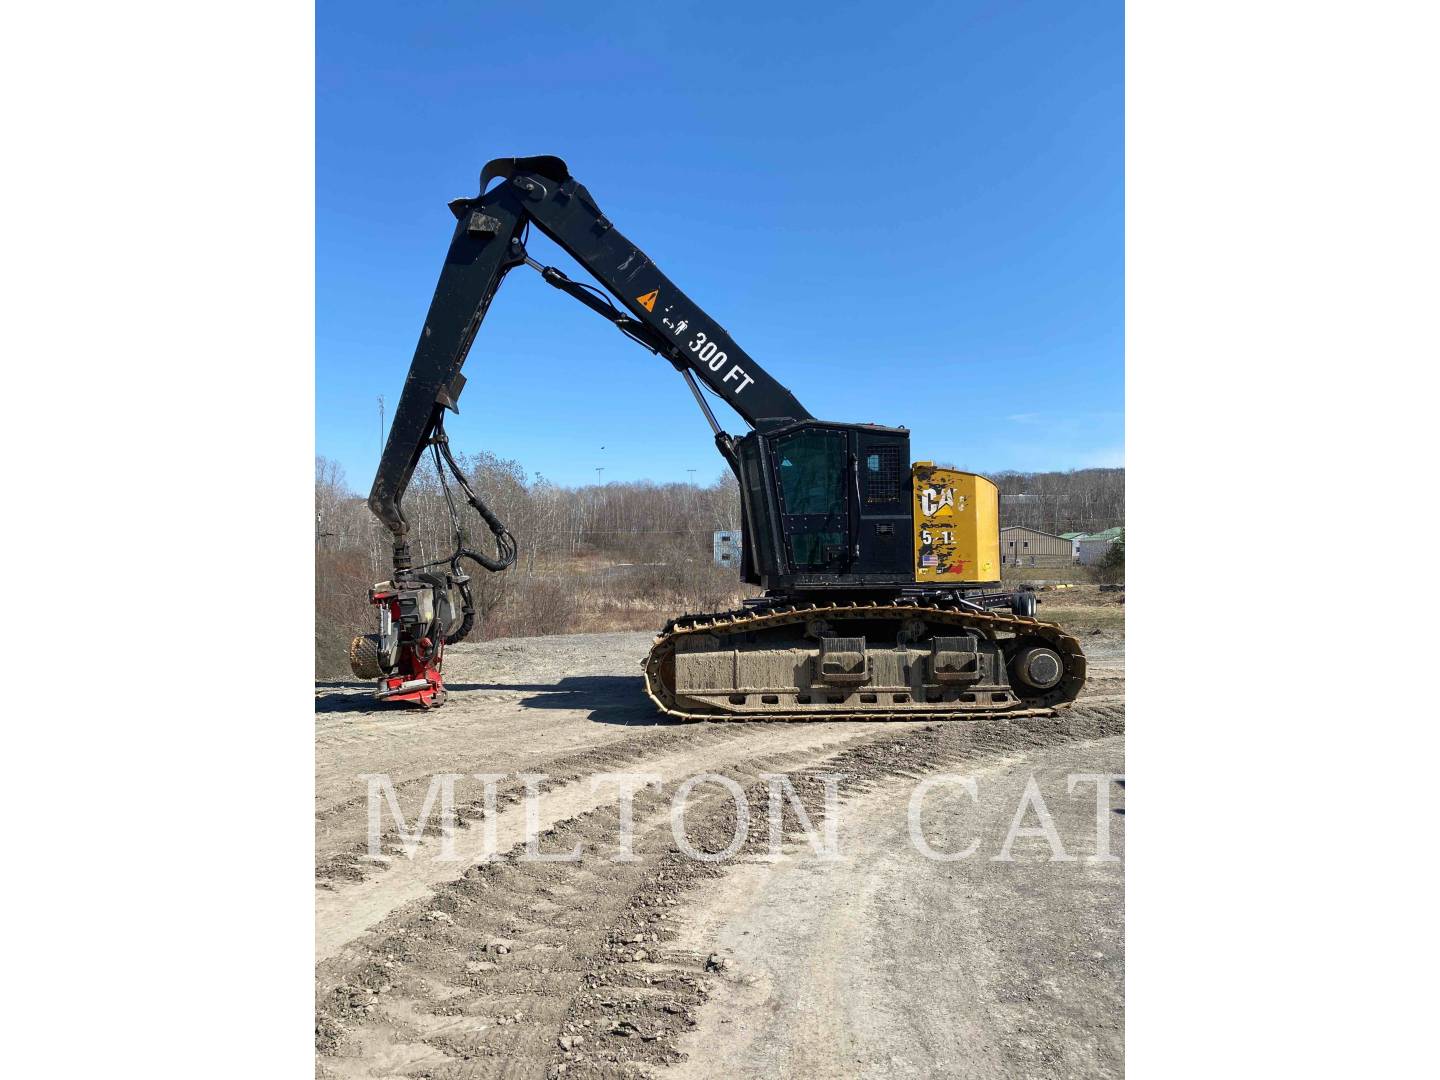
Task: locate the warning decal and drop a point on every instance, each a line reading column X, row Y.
column 648, row 300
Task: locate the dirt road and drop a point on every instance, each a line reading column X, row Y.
column 878, row 962
column 887, row 964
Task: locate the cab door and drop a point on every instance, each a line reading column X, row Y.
column 813, row 470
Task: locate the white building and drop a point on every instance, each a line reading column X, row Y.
column 1091, row 549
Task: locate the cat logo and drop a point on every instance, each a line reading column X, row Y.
column 932, row 501
column 648, row 300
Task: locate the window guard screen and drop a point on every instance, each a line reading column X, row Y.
column 884, row 474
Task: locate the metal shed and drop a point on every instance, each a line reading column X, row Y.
column 1023, row 546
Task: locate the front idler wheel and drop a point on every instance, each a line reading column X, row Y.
column 1037, row 667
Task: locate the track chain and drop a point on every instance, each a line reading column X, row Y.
column 744, row 620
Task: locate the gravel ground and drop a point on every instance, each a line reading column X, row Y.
column 877, row 963
column 978, row 967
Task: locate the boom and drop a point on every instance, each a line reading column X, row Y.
column 487, row 243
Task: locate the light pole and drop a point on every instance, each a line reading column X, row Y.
column 598, row 470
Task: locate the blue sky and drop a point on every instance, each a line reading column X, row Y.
column 910, row 214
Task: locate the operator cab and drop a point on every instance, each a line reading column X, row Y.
column 827, row 504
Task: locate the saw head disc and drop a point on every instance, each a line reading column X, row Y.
column 365, row 656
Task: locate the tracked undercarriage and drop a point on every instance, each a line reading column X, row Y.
column 901, row 659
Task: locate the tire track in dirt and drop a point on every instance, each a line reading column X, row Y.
column 884, row 963
column 521, row 969
column 342, row 842
column 347, row 909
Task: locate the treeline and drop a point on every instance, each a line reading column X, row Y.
column 1085, row 500
column 617, row 556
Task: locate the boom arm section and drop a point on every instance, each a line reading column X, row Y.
column 487, row 243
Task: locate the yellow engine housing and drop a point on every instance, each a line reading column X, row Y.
column 957, row 527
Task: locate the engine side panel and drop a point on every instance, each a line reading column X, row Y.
column 957, row 527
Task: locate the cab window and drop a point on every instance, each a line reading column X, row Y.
column 812, row 472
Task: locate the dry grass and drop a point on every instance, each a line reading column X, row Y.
column 613, row 621
column 1083, row 608
column 1012, row 575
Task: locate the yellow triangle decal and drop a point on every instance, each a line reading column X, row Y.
column 648, row 300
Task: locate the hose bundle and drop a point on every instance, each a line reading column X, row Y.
column 505, row 546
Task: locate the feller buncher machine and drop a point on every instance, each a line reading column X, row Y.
column 880, row 577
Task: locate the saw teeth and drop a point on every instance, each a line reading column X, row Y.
column 365, row 656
